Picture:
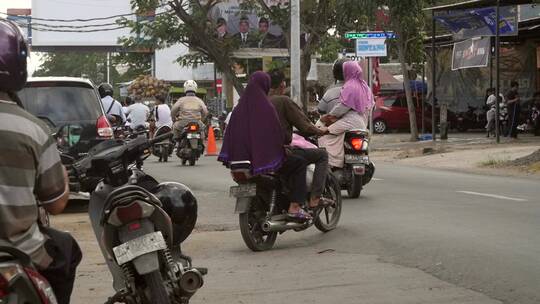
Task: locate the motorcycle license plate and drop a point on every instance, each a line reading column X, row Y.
column 147, row 243
column 193, row 135
column 246, row 190
column 354, row 158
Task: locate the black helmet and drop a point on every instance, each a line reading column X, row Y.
column 181, row 205
column 337, row 69
column 105, row 89
column 13, row 53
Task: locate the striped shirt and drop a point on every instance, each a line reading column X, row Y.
column 30, row 171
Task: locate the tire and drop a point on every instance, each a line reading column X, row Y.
column 380, row 126
column 327, row 218
column 355, row 186
column 165, row 153
column 158, row 292
column 250, row 227
column 192, row 161
column 184, row 161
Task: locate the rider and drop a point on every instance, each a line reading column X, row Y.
column 331, row 96
column 137, row 114
column 351, row 111
column 113, row 108
column 189, row 108
column 30, row 174
column 290, row 115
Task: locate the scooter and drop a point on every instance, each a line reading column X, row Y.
column 140, row 224
column 261, row 203
column 358, row 169
column 190, row 144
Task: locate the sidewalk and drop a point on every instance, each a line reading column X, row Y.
column 466, row 152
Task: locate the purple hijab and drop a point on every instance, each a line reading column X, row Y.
column 355, row 93
column 254, row 132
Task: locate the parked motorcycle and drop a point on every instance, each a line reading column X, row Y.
column 140, row 224
column 165, row 148
column 473, row 118
column 262, row 204
column 190, row 144
column 358, row 169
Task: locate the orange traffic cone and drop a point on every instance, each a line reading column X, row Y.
column 211, row 149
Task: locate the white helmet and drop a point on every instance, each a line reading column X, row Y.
column 190, row 86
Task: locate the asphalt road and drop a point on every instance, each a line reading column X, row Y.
column 414, row 236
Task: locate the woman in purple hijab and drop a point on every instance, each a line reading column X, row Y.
column 254, row 133
column 356, row 102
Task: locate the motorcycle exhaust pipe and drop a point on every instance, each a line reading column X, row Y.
column 278, row 226
column 191, row 281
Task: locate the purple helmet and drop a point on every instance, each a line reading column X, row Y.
column 13, row 52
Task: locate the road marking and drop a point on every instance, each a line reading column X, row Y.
column 377, row 179
column 494, row 196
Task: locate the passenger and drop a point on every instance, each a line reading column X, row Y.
column 254, row 134
column 31, row 174
column 352, row 112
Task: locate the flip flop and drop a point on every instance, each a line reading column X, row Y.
column 300, row 216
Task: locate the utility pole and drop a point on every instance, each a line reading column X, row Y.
column 296, row 84
column 108, row 67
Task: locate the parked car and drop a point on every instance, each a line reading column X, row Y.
column 72, row 109
column 391, row 113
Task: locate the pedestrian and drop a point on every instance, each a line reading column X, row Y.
column 491, row 113
column 514, row 109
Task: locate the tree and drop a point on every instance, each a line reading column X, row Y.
column 187, row 22
column 407, row 21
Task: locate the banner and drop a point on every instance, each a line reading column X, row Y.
column 471, row 53
column 469, row 23
column 245, row 27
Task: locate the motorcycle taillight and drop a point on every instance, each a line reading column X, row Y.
column 43, row 287
column 241, row 176
column 122, row 215
column 357, row 143
column 193, row 127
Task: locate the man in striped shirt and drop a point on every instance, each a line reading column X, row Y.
column 31, row 174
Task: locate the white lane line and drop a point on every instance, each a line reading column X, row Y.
column 494, row 196
column 377, row 179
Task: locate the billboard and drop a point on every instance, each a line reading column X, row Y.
column 471, row 53
column 245, row 27
column 74, row 23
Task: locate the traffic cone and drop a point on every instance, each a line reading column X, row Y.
column 211, row 149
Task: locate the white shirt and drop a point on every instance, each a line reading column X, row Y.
column 116, row 108
column 162, row 115
column 138, row 114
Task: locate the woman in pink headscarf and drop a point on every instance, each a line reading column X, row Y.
column 351, row 113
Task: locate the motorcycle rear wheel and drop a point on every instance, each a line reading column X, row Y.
column 355, row 186
column 327, row 218
column 251, row 229
column 158, row 292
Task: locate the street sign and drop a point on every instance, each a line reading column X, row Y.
column 374, row 47
column 370, row 35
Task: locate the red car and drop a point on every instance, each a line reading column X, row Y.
column 391, row 113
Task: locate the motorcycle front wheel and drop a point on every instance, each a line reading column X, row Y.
column 327, row 218
column 158, row 292
column 251, row 227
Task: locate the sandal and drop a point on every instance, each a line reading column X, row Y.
column 300, row 216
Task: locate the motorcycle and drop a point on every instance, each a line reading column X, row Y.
column 164, row 148
column 190, row 144
column 140, row 224
column 261, row 203
column 473, row 118
column 217, row 128
column 20, row 281
column 358, row 169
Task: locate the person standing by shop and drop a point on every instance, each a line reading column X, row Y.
column 514, row 109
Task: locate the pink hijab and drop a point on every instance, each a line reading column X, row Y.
column 355, row 93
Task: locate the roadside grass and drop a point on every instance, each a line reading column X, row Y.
column 493, row 161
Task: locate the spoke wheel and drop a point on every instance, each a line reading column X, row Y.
column 327, row 218
column 251, row 227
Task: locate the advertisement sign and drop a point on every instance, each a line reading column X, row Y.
column 371, row 47
column 471, row 53
column 245, row 27
column 469, row 23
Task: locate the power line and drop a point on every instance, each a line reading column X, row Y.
column 78, row 31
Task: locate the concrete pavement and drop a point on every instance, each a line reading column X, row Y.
column 414, row 236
